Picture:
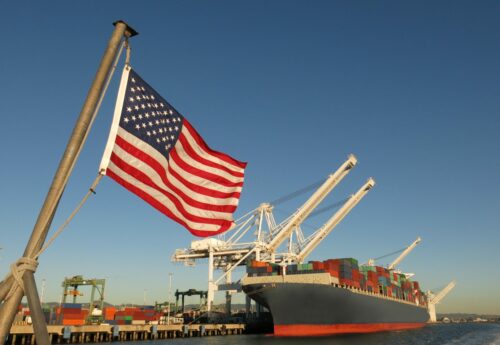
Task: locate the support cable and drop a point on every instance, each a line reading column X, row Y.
column 298, row 192
column 24, row 264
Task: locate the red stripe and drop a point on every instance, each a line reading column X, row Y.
column 217, row 154
column 160, row 207
column 189, row 150
column 160, row 170
column 202, row 190
column 301, row 330
column 200, row 173
column 140, row 176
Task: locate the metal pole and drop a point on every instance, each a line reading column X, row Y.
column 169, row 296
column 68, row 160
column 39, row 325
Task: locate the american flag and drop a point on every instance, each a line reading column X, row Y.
column 154, row 152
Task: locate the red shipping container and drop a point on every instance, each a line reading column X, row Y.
column 334, row 273
column 130, row 310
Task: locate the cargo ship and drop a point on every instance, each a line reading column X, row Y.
column 335, row 296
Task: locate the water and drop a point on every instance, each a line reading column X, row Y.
column 440, row 334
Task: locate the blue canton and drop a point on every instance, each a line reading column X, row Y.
column 149, row 117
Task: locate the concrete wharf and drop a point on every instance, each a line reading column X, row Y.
column 59, row 334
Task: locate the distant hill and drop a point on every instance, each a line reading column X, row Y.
column 467, row 316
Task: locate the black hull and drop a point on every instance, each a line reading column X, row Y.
column 328, row 309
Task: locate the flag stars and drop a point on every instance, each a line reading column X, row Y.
column 148, row 133
column 138, row 98
column 147, row 115
column 133, row 118
column 140, row 116
column 126, row 120
column 143, row 125
column 137, row 127
column 131, row 99
column 172, row 137
column 154, row 132
column 136, row 107
column 133, row 80
column 150, row 124
column 162, row 105
column 143, row 106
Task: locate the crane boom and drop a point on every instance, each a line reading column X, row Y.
column 306, row 209
column 404, row 253
column 335, row 220
column 435, row 299
column 442, row 294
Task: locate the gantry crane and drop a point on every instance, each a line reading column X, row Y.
column 433, row 299
column 306, row 209
column 70, row 288
column 322, row 232
column 227, row 254
column 404, row 254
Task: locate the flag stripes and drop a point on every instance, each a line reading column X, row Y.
column 159, row 156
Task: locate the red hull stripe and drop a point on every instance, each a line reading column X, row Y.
column 302, row 330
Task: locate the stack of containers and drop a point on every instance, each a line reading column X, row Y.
column 72, row 314
column 259, row 268
column 304, row 268
column 370, row 282
column 318, row 266
column 109, row 315
column 149, row 314
column 332, row 266
column 125, row 316
column 374, row 279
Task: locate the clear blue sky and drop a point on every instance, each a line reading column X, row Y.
column 291, row 87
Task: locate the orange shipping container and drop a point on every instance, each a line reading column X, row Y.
column 73, row 322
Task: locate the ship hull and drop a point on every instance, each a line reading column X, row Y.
column 301, row 309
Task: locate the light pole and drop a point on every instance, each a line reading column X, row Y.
column 43, row 292
column 169, row 296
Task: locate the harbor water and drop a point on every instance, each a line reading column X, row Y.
column 439, row 334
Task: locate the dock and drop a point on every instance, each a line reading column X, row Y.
column 59, row 334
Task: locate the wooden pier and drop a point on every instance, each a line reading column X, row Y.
column 24, row 335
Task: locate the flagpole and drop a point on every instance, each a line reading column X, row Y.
column 47, row 212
